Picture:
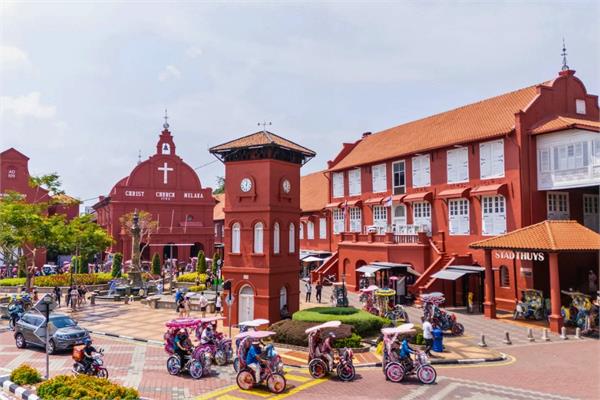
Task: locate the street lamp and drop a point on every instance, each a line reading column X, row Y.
column 47, row 302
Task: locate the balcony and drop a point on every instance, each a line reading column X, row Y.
column 391, row 234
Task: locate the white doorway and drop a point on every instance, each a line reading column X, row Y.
column 399, row 218
column 591, row 216
column 246, row 304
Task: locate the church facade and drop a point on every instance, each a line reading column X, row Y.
column 170, row 190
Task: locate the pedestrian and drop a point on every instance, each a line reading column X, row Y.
column 35, row 296
column 179, row 308
column 218, row 304
column 319, row 289
column 592, row 282
column 332, row 300
column 159, row 288
column 427, row 335
column 57, row 294
column 209, row 281
column 112, row 287
column 203, row 304
column 74, row 298
column 186, row 306
column 308, row 288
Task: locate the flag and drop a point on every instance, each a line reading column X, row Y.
column 388, row 201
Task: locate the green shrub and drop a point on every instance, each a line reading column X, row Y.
column 201, row 263
column 84, row 387
column 25, row 375
column 353, row 341
column 12, row 282
column 364, row 323
column 61, row 280
column 156, row 269
column 215, row 263
column 191, row 277
column 292, row 332
column 200, row 288
column 117, row 265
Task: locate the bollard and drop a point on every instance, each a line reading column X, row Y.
column 578, row 333
column 482, row 342
column 93, row 299
column 545, row 337
column 506, row 338
column 530, row 335
column 563, row 333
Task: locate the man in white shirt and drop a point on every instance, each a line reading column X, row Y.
column 203, row 304
column 427, row 335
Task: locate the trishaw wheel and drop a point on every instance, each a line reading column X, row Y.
column 426, row 374
column 220, row 357
column 276, row 383
column 317, row 368
column 196, row 370
column 458, row 329
column 245, row 379
column 173, row 365
column 236, row 364
column 346, row 372
column 394, row 372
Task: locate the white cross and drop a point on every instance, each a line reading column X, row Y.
column 165, row 169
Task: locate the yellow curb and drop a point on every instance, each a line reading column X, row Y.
column 229, row 397
column 216, row 393
column 299, row 388
column 257, row 392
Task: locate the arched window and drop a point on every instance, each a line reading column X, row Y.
column 246, row 304
column 301, row 231
column 258, row 238
column 292, row 239
column 235, row 238
column 276, row 238
column 310, row 230
column 282, row 297
column 504, row 277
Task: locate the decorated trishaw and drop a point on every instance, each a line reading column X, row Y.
column 367, row 297
column 397, row 361
column 531, row 306
column 440, row 318
column 385, row 299
column 220, row 347
column 576, row 314
column 271, row 372
column 197, row 363
column 321, row 359
column 247, row 326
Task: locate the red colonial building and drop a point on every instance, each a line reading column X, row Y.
column 418, row 194
column 170, row 190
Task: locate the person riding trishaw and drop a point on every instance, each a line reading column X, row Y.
column 320, row 348
column 254, row 368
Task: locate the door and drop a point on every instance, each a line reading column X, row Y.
column 399, row 218
column 590, row 211
column 246, row 304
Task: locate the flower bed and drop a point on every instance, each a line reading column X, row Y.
column 25, row 375
column 364, row 323
column 191, row 277
column 60, row 280
column 292, row 332
column 84, row 387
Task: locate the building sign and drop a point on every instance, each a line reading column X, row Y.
column 520, row 255
column 12, row 173
column 165, row 195
column 193, row 196
column 134, row 193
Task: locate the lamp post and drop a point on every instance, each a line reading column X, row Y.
column 47, row 301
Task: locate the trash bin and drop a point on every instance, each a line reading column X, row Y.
column 438, row 340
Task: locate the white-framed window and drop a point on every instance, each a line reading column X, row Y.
column 580, row 106
column 570, row 156
column 339, row 220
column 380, row 217
column 557, row 205
column 292, row 239
column 338, row 184
column 422, row 215
column 457, row 165
column 355, row 219
column 493, row 215
column 354, row 182
column 596, row 152
column 458, row 217
column 258, row 238
column 282, row 297
column 276, row 238
column 310, row 230
column 399, row 177
column 235, row 238
column 399, row 217
column 301, row 231
column 421, row 171
column 491, row 159
column 322, row 228
column 544, row 160
column 379, row 178
column 591, row 216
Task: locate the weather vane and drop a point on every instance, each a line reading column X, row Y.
column 139, row 156
column 564, row 56
column 166, row 124
column 264, row 125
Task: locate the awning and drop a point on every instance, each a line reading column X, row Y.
column 333, row 205
column 369, row 269
column 454, row 272
column 353, row 203
column 374, row 200
column 381, row 265
column 306, row 218
column 313, row 259
column 454, row 193
column 490, row 190
column 397, row 198
column 421, row 196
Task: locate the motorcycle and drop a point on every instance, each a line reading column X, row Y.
column 96, row 367
column 15, row 313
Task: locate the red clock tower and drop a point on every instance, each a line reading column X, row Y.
column 262, row 213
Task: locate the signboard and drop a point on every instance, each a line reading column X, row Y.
column 229, row 299
column 40, row 306
column 520, row 255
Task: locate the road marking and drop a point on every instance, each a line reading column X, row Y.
column 257, row 391
column 297, row 378
column 216, row 393
column 229, row 397
column 303, row 360
column 509, row 360
column 444, row 392
column 299, row 388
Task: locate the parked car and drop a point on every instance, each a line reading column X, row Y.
column 49, row 269
column 64, row 332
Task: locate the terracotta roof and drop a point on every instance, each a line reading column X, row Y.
column 261, row 138
column 65, row 199
column 546, row 236
column 454, row 193
column 314, row 192
column 419, row 196
column 218, row 213
column 561, row 123
column 490, row 190
column 485, row 119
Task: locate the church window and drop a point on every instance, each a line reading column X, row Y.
column 166, row 149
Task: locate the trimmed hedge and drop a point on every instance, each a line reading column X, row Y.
column 12, row 282
column 353, row 341
column 83, row 387
column 364, row 323
column 25, row 375
column 191, row 277
column 292, row 332
column 60, row 280
column 200, row 288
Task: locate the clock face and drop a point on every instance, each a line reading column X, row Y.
column 246, row 185
column 286, row 185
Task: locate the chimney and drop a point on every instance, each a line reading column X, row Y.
column 364, row 135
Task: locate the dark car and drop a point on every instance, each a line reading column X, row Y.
column 64, row 332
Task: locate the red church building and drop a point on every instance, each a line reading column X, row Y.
column 170, row 190
column 416, row 196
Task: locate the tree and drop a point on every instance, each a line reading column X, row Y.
column 147, row 227
column 201, row 263
column 220, row 185
column 117, row 265
column 22, row 271
column 215, row 263
column 156, row 267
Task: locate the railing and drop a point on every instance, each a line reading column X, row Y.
column 388, row 237
column 402, row 239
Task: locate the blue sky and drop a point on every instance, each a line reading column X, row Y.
column 84, row 85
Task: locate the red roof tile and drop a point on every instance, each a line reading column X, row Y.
column 561, row 123
column 419, row 196
column 454, row 193
column 218, row 213
column 314, row 189
column 261, row 138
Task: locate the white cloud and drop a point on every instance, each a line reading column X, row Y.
column 193, row 52
column 26, row 106
column 12, row 57
column 170, row 72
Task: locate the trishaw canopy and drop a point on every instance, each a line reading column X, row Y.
column 254, row 322
column 328, row 324
column 404, row 328
column 183, row 323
